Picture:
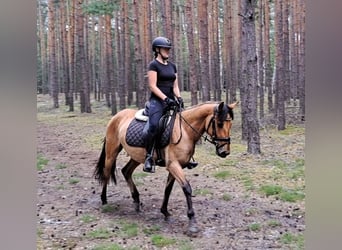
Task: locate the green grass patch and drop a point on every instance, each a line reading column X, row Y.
column 255, row 227
column 291, row 130
column 151, row 230
column 269, row 190
column 291, row 195
column 223, row 175
column 61, row 166
column 138, row 178
column 101, row 233
column 295, row 241
column 161, row 241
column 41, row 162
column 73, row 181
column 227, row 197
column 94, row 141
column 238, row 148
column 248, row 183
column 273, row 223
column 129, row 230
column 281, row 193
column 277, row 163
column 87, row 218
column 108, row 208
column 184, row 245
column 229, row 162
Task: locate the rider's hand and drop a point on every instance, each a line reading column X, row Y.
column 180, row 102
column 169, row 102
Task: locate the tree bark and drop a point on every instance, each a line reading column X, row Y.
column 52, row 54
column 204, row 49
column 249, row 76
column 280, row 64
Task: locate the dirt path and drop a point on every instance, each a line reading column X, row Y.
column 70, row 214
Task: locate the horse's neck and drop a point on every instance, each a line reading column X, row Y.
column 198, row 117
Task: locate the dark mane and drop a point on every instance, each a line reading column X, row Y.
column 229, row 111
column 203, row 103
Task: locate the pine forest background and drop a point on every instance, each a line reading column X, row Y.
column 246, row 50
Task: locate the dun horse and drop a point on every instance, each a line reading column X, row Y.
column 212, row 118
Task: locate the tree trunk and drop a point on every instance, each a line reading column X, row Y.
column 138, row 53
column 260, row 41
column 249, row 76
column 267, row 57
column 52, row 54
column 301, row 89
column 81, row 61
column 191, row 47
column 42, row 15
column 204, row 49
column 279, row 71
column 215, row 52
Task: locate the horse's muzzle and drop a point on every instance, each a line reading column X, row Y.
column 222, row 151
column 223, row 154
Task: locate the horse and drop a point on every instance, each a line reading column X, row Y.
column 212, row 118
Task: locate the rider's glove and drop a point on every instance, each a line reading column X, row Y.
column 169, row 102
column 180, row 102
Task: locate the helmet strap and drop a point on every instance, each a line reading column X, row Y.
column 163, row 57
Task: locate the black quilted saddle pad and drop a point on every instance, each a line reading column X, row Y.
column 134, row 135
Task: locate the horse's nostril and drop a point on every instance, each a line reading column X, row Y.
column 223, row 154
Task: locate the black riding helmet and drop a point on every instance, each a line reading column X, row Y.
column 161, row 42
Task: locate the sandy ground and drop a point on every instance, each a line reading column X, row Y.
column 69, row 210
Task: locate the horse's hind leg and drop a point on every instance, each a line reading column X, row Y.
column 167, row 192
column 112, row 152
column 110, row 165
column 127, row 172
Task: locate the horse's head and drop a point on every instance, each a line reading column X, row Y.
column 219, row 128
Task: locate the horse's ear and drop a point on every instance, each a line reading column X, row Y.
column 232, row 105
column 220, row 106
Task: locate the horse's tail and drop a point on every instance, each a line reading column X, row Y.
column 99, row 170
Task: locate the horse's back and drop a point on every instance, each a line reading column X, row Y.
column 119, row 122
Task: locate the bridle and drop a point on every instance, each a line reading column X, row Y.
column 214, row 139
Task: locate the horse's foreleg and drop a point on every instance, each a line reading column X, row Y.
column 178, row 173
column 167, row 192
column 127, row 172
column 193, row 228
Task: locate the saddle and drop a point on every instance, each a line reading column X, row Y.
column 134, row 134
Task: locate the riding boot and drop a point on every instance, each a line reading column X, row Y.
column 149, row 163
column 191, row 164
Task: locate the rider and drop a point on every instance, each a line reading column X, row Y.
column 163, row 83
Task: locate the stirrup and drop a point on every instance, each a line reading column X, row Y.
column 149, row 165
column 160, row 162
column 191, row 164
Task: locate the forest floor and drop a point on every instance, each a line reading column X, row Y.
column 241, row 202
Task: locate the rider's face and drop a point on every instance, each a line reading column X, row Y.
column 164, row 51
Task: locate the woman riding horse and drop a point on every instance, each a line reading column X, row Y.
column 163, row 83
column 212, row 118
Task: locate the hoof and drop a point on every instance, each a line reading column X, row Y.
column 137, row 207
column 169, row 219
column 193, row 231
